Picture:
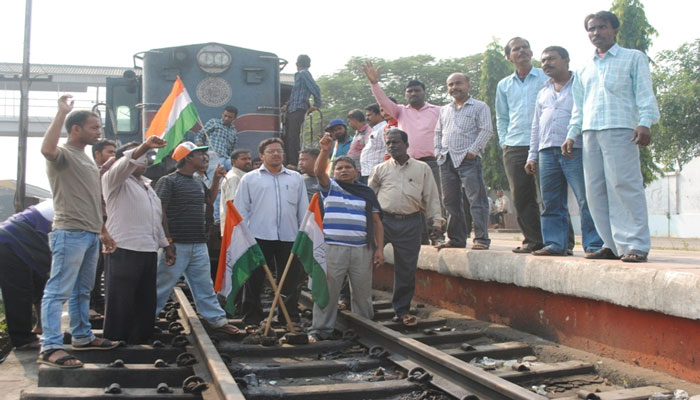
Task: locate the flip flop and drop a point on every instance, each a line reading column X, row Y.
column 480, row 246
column 59, row 362
column 409, row 320
column 104, row 344
column 634, row 258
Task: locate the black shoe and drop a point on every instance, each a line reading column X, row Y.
column 602, row 254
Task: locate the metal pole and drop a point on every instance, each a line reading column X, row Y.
column 23, row 114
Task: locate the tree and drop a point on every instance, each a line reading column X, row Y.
column 677, row 82
column 494, row 67
column 636, row 33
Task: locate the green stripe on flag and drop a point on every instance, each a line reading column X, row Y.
column 187, row 119
column 241, row 271
column 304, row 249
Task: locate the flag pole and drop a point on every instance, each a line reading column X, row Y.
column 271, row 279
column 278, row 292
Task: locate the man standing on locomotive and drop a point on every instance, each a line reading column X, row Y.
column 297, row 105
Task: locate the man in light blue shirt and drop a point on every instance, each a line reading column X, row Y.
column 614, row 107
column 273, row 201
column 515, row 106
column 549, row 128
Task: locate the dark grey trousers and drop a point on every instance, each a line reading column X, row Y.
column 524, row 192
column 405, row 236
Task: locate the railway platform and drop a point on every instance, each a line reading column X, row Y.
column 646, row 314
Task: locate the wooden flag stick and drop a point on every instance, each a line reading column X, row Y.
column 271, row 279
column 278, row 292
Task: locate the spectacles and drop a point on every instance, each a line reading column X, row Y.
column 273, row 151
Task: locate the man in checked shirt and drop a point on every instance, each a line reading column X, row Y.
column 297, row 105
column 461, row 133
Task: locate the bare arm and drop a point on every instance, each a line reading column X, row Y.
column 49, row 147
column 322, row 160
column 219, row 173
column 378, row 259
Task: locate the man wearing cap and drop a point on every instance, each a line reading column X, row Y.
column 135, row 224
column 183, row 199
column 341, row 140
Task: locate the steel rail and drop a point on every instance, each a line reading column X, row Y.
column 223, row 382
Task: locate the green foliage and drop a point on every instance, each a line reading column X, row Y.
column 635, row 30
column 676, row 139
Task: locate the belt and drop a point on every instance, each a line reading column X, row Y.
column 401, row 216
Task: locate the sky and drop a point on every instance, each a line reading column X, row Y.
column 102, row 33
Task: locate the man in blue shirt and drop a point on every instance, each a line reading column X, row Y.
column 515, row 106
column 614, row 107
column 549, row 128
column 297, row 105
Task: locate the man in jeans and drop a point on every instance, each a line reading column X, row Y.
column 183, row 198
column 461, row 133
column 75, row 184
column 549, row 127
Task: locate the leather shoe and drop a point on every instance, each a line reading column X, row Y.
column 602, row 254
column 522, row 249
column 546, row 252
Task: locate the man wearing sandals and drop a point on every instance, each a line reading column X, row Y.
column 352, row 228
column 406, row 190
column 614, row 106
column 75, row 239
column 461, row 133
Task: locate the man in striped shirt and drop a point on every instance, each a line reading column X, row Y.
column 461, row 133
column 614, row 107
column 352, row 227
column 298, row 104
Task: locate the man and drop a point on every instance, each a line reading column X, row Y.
column 273, row 201
column 103, row 150
column 221, row 136
column 75, row 184
column 614, row 107
column 549, row 128
column 183, row 199
column 461, row 134
column 501, row 206
column 307, row 160
column 373, row 152
column 25, row 263
column 357, row 121
column 298, row 104
column 341, row 140
column 515, row 106
column 135, row 224
column 241, row 164
column 406, row 190
column 352, row 228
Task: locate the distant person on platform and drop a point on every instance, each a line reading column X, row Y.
column 500, row 205
column 549, row 128
column 461, row 134
column 357, row 121
column 183, row 199
column 406, row 190
column 75, row 239
column 272, row 200
column 614, row 107
column 241, row 165
column 515, row 106
column 352, row 227
column 297, row 106
column 25, row 264
column 307, row 161
column 135, row 224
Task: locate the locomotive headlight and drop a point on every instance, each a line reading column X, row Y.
column 213, row 59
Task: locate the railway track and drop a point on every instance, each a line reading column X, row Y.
column 378, row 359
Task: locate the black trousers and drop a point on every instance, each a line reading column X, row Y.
column 21, row 287
column 524, row 191
column 292, row 132
column 130, row 295
column 276, row 254
column 97, row 300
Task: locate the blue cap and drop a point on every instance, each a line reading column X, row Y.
column 335, row 122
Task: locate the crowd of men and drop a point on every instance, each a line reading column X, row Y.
column 407, row 172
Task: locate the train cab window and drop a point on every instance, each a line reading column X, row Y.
column 124, row 120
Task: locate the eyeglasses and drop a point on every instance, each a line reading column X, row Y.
column 274, row 151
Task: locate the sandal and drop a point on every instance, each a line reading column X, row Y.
column 634, row 258
column 103, row 344
column 480, row 246
column 60, row 362
column 343, row 305
column 228, row 329
column 409, row 320
column 313, row 339
column 447, row 245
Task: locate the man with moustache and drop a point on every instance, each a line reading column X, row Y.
column 614, row 107
column 461, row 133
column 374, row 150
column 307, row 160
column 241, row 165
column 549, row 128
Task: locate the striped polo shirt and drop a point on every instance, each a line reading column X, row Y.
column 185, row 196
column 344, row 222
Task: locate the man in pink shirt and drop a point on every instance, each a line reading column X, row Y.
column 418, row 119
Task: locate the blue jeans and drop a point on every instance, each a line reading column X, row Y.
column 555, row 171
column 192, row 260
column 72, row 278
column 615, row 190
column 468, row 178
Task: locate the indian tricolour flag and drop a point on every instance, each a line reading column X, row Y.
column 310, row 249
column 174, row 118
column 240, row 255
